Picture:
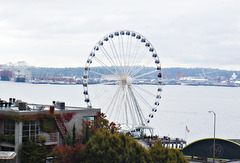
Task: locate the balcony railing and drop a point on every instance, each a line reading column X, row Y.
column 51, row 138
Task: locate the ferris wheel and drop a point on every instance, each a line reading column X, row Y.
column 125, row 68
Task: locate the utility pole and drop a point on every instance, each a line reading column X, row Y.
column 214, row 134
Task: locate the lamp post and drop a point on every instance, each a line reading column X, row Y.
column 214, row 134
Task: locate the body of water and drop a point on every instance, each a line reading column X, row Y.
column 180, row 106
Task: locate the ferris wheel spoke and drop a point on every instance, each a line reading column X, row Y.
column 121, row 108
column 129, row 53
column 131, row 109
column 114, row 52
column 106, row 54
column 135, row 52
column 141, row 54
column 126, row 55
column 111, row 83
column 96, row 96
column 104, row 65
column 119, row 52
column 137, row 107
column 130, row 106
column 142, row 98
column 117, row 55
column 124, row 50
column 111, row 61
column 148, row 73
column 139, row 61
column 113, row 101
column 138, row 69
column 123, row 53
column 144, row 90
column 126, row 108
column 134, row 110
column 113, row 113
column 97, row 73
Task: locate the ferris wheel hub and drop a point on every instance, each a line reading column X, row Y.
column 126, row 80
column 129, row 80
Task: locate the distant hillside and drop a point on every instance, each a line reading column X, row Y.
column 199, row 72
column 168, row 73
column 78, row 72
column 56, row 72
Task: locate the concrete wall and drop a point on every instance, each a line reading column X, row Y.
column 78, row 119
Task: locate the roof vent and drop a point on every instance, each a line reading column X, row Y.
column 22, row 106
column 60, row 105
column 1, row 103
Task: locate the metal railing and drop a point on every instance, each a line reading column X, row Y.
column 50, row 138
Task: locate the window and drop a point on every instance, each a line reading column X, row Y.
column 7, row 149
column 30, row 130
column 9, row 127
column 89, row 118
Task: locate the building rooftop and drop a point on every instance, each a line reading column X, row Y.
column 14, row 106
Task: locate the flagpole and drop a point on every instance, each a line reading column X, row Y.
column 185, row 134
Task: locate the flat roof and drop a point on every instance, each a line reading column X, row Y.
column 45, row 110
column 20, row 107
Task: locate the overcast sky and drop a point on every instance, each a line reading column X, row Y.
column 61, row 33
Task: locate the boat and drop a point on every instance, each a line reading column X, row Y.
column 6, row 75
column 20, row 78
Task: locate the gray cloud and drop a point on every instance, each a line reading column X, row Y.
column 62, row 33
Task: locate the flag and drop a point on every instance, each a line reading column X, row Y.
column 187, row 129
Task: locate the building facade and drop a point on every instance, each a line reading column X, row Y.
column 21, row 121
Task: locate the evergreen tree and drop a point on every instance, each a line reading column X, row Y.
column 69, row 140
column 107, row 147
column 33, row 152
column 74, row 136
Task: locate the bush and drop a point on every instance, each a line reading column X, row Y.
column 48, row 125
column 68, row 154
column 7, row 138
column 107, row 147
column 33, row 152
column 166, row 155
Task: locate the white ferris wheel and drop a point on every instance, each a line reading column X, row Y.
column 126, row 68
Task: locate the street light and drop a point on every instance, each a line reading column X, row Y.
column 214, row 134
